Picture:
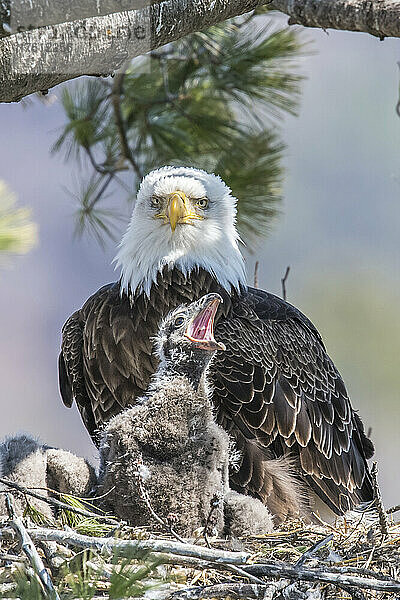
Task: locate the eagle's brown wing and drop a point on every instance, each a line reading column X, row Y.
column 107, row 352
column 278, row 390
column 105, row 360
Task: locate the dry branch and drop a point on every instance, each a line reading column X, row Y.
column 19, row 15
column 277, row 570
column 58, row 504
column 383, row 518
column 130, row 548
column 380, row 18
column 324, row 574
column 283, row 282
column 32, row 554
column 36, row 60
column 223, row 590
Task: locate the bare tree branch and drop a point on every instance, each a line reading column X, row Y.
column 36, row 60
column 378, row 17
column 255, row 283
column 362, row 579
column 19, row 15
column 383, row 519
column 283, row 282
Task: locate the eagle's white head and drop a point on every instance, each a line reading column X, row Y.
column 184, row 218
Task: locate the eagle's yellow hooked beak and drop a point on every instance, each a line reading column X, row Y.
column 178, row 209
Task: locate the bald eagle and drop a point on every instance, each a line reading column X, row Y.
column 275, row 389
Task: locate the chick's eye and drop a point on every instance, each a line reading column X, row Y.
column 202, row 202
column 179, row 321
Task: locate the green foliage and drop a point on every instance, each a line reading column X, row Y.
column 88, row 575
column 126, row 582
column 26, row 587
column 211, row 100
column 17, row 232
column 81, row 524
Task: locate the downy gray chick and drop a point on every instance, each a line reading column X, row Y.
column 169, row 447
column 26, row 461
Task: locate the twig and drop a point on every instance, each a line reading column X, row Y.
column 101, row 191
column 145, row 497
column 311, row 551
column 283, row 282
column 96, row 166
column 58, row 503
column 355, row 594
column 347, row 570
column 338, row 576
column 223, row 590
column 32, row 554
column 116, row 101
column 383, row 520
column 129, row 548
column 198, row 564
column 214, row 504
column 398, row 101
column 393, row 509
column 12, row 558
column 256, row 274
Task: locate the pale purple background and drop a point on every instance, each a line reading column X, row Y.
column 339, row 231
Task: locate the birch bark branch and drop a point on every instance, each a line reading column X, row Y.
column 19, row 15
column 36, row 60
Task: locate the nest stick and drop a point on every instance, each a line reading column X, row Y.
column 383, row 518
column 276, row 570
column 30, row 550
column 57, row 503
column 129, row 548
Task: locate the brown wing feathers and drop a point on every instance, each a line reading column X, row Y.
column 107, row 355
column 299, row 405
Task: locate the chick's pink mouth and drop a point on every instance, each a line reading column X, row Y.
column 201, row 328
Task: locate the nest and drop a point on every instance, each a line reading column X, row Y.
column 91, row 555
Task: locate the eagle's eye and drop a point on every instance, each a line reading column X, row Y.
column 155, row 202
column 179, row 321
column 202, row 203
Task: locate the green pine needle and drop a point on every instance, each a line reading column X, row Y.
column 211, row 99
column 17, row 232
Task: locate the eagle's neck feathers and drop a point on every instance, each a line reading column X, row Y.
column 146, row 251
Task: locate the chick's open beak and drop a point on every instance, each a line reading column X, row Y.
column 200, row 330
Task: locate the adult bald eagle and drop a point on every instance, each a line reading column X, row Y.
column 276, row 390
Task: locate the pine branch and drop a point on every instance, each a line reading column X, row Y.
column 116, row 101
column 57, row 503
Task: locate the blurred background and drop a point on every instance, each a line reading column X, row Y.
column 338, row 229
